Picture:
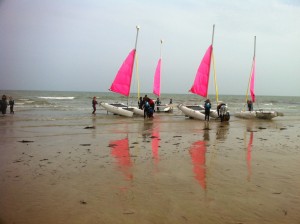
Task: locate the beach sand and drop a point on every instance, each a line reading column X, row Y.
column 166, row 170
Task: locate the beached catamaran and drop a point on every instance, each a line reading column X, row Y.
column 122, row 84
column 260, row 113
column 200, row 87
column 156, row 84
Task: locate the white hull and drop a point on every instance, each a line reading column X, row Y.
column 138, row 111
column 191, row 112
column 116, row 110
column 164, row 108
column 197, row 112
column 257, row 114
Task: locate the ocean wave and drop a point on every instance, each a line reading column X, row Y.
column 57, row 97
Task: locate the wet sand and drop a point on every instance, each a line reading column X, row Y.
column 166, row 170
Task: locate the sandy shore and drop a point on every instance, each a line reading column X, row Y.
column 168, row 170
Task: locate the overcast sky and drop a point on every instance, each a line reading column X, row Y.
column 79, row 45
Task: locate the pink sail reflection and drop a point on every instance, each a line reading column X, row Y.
column 155, row 145
column 197, row 152
column 249, row 149
column 120, row 150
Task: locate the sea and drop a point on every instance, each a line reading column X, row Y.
column 67, row 105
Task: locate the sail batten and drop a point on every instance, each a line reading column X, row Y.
column 200, row 86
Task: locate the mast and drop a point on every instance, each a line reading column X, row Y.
column 161, row 42
column 135, row 46
column 212, row 42
column 214, row 67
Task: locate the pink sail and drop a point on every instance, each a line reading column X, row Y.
column 156, row 84
column 200, row 85
column 122, row 81
column 252, row 82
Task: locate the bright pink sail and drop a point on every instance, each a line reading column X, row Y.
column 200, row 85
column 156, row 84
column 252, row 82
column 122, row 81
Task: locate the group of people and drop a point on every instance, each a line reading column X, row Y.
column 221, row 109
column 4, row 104
column 147, row 105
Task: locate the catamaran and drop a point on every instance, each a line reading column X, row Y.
column 200, row 87
column 156, row 85
column 122, row 84
column 260, row 113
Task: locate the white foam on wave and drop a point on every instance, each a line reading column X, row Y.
column 57, row 97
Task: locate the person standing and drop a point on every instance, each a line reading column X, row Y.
column 3, row 104
column 141, row 103
column 11, row 105
column 94, row 102
column 157, row 104
column 250, row 105
column 207, row 107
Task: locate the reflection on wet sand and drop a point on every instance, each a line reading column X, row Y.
column 155, row 145
column 249, row 149
column 222, row 131
column 197, row 152
column 198, row 156
column 120, row 151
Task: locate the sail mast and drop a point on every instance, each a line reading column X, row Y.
column 212, row 43
column 135, row 46
column 214, row 68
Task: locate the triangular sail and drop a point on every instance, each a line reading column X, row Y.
column 251, row 81
column 156, row 84
column 122, row 81
column 200, row 86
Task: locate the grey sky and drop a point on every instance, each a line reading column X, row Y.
column 80, row 45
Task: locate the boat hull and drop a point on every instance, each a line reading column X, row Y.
column 164, row 108
column 257, row 114
column 138, row 111
column 116, row 110
column 196, row 114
